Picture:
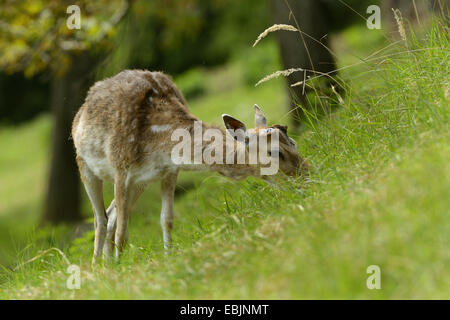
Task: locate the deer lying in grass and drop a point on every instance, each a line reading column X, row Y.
column 123, row 133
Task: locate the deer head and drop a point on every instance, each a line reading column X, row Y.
column 278, row 146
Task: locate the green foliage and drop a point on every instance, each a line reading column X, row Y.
column 34, row 35
column 175, row 36
column 258, row 62
column 192, row 83
column 17, row 107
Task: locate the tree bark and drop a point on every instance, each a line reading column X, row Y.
column 312, row 20
column 424, row 9
column 67, row 95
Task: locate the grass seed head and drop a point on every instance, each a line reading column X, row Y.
column 275, row 27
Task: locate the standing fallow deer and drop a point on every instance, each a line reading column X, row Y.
column 123, row 133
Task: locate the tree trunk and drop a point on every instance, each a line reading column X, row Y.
column 425, row 8
column 67, row 95
column 312, row 20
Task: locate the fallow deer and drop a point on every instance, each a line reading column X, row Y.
column 122, row 133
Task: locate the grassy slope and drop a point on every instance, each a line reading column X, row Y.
column 22, row 175
column 378, row 195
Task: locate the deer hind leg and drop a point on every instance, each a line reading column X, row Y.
column 124, row 196
column 168, row 184
column 135, row 193
column 94, row 189
column 110, row 230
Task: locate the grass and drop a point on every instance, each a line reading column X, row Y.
column 378, row 195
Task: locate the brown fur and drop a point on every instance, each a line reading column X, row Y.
column 125, row 106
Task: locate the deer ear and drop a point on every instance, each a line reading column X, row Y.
column 260, row 119
column 232, row 123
